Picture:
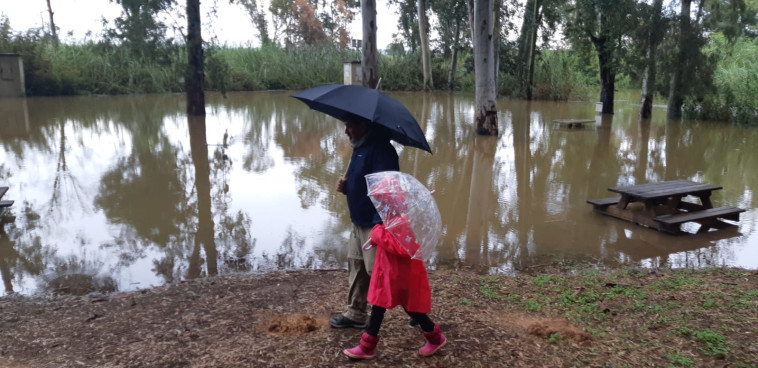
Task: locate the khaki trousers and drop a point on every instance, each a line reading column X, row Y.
column 360, row 263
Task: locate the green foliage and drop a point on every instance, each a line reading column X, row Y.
column 735, row 97
column 401, row 72
column 558, row 77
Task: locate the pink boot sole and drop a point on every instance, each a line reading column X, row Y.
column 361, row 355
column 429, row 349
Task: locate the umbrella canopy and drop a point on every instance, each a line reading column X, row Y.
column 408, row 210
column 341, row 101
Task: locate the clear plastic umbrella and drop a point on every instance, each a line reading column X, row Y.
column 408, row 210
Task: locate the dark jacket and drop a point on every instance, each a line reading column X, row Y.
column 374, row 155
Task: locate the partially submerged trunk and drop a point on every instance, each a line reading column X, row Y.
column 607, row 75
column 648, row 78
column 485, row 115
column 195, row 72
column 454, row 61
column 677, row 92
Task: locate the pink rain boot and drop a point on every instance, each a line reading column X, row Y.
column 365, row 350
column 434, row 341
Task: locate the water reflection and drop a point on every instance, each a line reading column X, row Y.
column 119, row 193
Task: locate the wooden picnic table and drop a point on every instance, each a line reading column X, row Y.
column 662, row 207
column 6, row 203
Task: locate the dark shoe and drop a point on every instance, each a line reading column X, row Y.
column 413, row 322
column 344, row 322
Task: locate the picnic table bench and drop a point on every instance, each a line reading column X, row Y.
column 574, row 123
column 663, row 208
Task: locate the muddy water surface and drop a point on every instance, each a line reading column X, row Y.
column 121, row 193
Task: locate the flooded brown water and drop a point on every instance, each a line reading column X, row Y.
column 121, row 193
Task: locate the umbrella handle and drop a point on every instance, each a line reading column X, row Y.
column 368, row 245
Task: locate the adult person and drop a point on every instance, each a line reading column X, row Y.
column 372, row 152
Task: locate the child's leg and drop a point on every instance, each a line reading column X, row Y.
column 375, row 321
column 432, row 333
column 366, row 349
column 423, row 319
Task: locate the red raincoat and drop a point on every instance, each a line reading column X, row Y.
column 397, row 279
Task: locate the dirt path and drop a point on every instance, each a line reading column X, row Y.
column 584, row 318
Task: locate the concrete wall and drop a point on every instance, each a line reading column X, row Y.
column 352, row 72
column 12, row 76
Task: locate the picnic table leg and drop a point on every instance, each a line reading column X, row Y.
column 705, row 200
column 674, row 202
column 623, row 202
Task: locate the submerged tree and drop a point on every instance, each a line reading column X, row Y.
column 195, row 70
column 485, row 116
column 535, row 13
column 655, row 30
column 605, row 23
column 426, row 52
column 452, row 20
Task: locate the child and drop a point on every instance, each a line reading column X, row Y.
column 397, row 279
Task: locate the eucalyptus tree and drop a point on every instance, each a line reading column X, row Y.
column 195, row 68
column 654, row 29
column 683, row 67
column 257, row 15
column 605, row 23
column 426, row 53
column 485, row 95
column 369, row 54
column 53, row 28
column 407, row 23
column 138, row 27
column 452, row 18
column 537, row 13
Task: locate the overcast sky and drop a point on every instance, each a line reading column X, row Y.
column 231, row 24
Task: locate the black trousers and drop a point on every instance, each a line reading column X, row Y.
column 377, row 316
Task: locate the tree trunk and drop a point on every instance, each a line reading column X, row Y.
column 497, row 4
column 485, row 115
column 607, row 75
column 53, row 30
column 648, row 78
column 423, row 30
column 525, row 47
column 532, row 47
column 676, row 94
column 195, row 73
column 470, row 8
column 454, row 61
column 370, row 59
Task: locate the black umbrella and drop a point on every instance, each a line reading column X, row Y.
column 341, row 101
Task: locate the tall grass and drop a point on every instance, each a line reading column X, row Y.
column 96, row 69
column 557, row 76
column 271, row 67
